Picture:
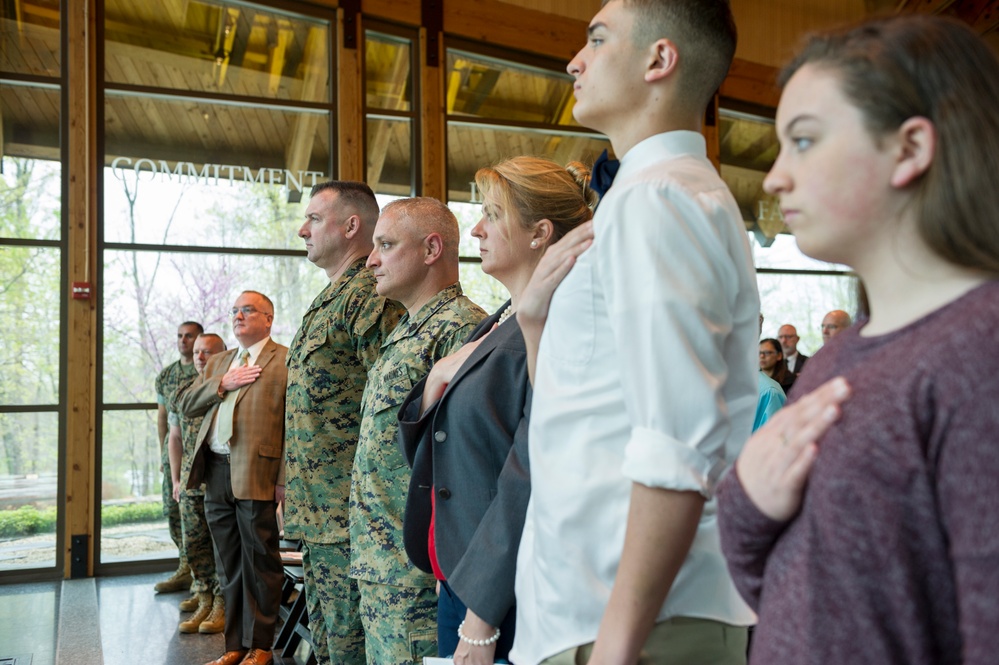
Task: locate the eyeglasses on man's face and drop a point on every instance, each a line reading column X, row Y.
column 247, row 310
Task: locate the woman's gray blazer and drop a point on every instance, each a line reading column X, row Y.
column 471, row 447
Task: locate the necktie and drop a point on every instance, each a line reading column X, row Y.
column 602, row 175
column 223, row 418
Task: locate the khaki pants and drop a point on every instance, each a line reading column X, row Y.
column 679, row 640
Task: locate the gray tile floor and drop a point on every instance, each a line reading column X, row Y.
column 110, row 620
column 28, row 621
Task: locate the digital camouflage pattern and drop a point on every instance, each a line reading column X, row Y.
column 197, row 538
column 198, row 544
column 333, row 605
column 381, row 476
column 167, row 384
column 400, row 623
column 328, row 361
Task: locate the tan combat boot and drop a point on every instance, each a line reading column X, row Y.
column 189, row 604
column 215, row 623
column 179, row 581
column 200, row 614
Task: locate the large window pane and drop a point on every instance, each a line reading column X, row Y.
column 30, row 199
column 747, row 149
column 472, row 146
column 29, row 37
column 802, row 300
column 390, row 156
column 387, row 69
column 165, row 211
column 148, row 294
column 484, row 291
column 485, row 87
column 223, row 48
column 29, row 449
column 132, row 522
column 230, row 187
column 29, row 344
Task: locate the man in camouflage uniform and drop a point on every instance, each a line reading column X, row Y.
column 339, row 340
column 206, row 601
column 167, row 383
column 415, row 261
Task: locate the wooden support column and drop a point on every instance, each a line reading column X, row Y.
column 82, row 492
column 432, row 125
column 350, row 100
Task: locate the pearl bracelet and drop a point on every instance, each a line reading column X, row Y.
column 477, row 643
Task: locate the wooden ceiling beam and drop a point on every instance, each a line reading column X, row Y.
column 277, row 55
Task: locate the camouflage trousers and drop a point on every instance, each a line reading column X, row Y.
column 198, row 544
column 400, row 623
column 332, row 600
column 171, row 509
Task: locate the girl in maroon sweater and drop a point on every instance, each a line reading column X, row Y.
column 878, row 541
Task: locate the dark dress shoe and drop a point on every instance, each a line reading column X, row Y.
column 258, row 657
column 229, row 658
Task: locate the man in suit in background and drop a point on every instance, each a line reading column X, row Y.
column 787, row 335
column 240, row 458
column 834, row 323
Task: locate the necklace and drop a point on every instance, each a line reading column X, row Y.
column 507, row 313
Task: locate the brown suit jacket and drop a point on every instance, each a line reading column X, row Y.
column 257, row 444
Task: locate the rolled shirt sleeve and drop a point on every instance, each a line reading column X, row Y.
column 678, row 295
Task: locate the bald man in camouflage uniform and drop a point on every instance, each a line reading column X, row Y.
column 415, row 261
column 167, row 383
column 206, row 601
column 338, row 342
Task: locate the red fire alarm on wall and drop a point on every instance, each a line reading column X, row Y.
column 81, row 291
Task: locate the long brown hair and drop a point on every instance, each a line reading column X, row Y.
column 900, row 67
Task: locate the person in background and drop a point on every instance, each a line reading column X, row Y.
column 167, row 384
column 834, row 323
column 773, row 365
column 208, row 605
column 788, row 336
column 878, row 542
column 464, row 427
column 240, row 458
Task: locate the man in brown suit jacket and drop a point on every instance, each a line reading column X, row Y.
column 240, row 457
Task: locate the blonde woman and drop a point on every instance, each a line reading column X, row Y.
column 464, row 428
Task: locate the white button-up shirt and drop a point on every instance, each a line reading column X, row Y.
column 647, row 373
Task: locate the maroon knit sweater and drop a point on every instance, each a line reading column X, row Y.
column 894, row 556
